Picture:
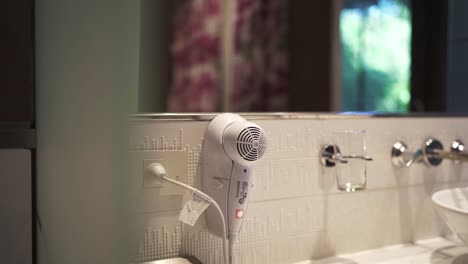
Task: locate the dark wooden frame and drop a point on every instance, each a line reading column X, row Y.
column 429, row 55
column 17, row 63
column 17, row 88
column 310, row 53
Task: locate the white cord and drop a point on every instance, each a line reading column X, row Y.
column 159, row 171
column 231, row 248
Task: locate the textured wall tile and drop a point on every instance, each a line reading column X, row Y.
column 363, row 220
column 296, row 211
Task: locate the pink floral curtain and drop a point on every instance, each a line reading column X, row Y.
column 259, row 72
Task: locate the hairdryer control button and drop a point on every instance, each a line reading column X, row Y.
column 239, row 213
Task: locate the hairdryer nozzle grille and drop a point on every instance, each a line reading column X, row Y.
column 251, row 143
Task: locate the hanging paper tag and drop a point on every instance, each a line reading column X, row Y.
column 193, row 209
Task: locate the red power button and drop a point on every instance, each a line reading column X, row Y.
column 239, row 213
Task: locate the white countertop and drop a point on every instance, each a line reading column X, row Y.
column 431, row 251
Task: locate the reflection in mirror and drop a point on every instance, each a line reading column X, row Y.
column 229, row 55
column 375, row 55
column 279, row 55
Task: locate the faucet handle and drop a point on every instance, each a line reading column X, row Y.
column 402, row 158
column 429, row 153
column 399, row 152
column 417, row 157
column 457, row 146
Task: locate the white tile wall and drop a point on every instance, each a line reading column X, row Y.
column 296, row 212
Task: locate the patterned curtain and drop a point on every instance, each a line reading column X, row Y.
column 259, row 70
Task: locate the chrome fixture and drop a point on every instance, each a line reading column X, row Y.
column 401, row 157
column 331, row 154
column 350, row 169
column 456, row 152
column 432, row 153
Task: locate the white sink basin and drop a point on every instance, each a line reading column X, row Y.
column 452, row 205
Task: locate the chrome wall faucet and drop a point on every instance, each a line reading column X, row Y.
column 432, row 153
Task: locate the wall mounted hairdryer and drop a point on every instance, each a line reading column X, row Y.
column 231, row 146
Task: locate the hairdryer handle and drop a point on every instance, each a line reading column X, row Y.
column 239, row 187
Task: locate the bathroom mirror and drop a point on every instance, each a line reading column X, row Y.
column 386, row 56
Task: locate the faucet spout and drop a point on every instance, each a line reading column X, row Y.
column 432, row 153
column 456, row 152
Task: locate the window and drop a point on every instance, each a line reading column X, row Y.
column 375, row 55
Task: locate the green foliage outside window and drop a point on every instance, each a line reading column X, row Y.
column 375, row 56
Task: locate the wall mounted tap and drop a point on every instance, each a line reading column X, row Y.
column 432, row 153
column 401, row 157
column 456, row 152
